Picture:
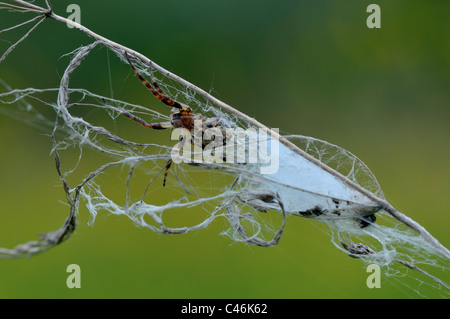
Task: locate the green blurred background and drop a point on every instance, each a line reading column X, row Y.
column 306, row 67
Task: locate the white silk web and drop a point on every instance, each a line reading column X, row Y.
column 256, row 205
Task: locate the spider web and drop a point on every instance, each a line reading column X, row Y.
column 256, row 206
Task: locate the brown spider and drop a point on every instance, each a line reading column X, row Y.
column 182, row 115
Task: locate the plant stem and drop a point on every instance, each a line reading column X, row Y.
column 379, row 201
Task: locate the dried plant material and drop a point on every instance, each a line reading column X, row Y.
column 314, row 179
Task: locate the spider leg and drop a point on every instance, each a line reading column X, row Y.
column 158, row 93
column 156, row 126
column 169, row 162
column 164, row 95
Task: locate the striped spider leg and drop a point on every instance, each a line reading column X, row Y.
column 182, row 115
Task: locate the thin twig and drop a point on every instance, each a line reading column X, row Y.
column 414, row 267
column 28, row 5
column 12, row 47
column 49, row 5
column 19, row 25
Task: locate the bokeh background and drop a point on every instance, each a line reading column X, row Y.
column 306, row 67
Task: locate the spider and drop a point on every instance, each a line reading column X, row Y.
column 182, row 115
